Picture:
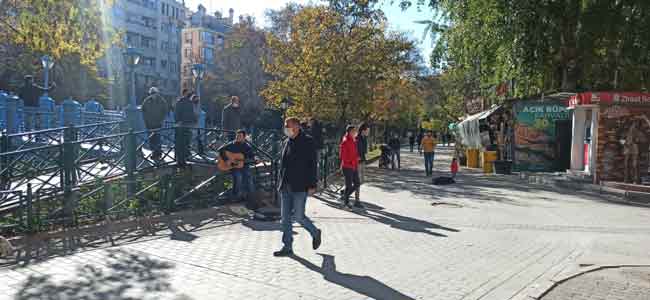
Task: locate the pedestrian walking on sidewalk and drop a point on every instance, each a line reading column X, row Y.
column 362, row 149
column 297, row 181
column 419, row 141
column 428, row 147
column 411, row 141
column 395, row 144
column 454, row 167
column 349, row 164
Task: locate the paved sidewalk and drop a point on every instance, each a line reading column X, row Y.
column 617, row 283
column 485, row 237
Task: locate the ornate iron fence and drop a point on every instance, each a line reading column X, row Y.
column 74, row 176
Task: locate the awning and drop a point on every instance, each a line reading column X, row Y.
column 595, row 98
column 468, row 129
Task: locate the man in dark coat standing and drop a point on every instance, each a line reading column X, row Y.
column 297, row 181
column 31, row 94
column 231, row 117
column 154, row 110
column 185, row 117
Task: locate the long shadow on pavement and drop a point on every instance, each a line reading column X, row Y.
column 414, row 181
column 471, row 185
column 124, row 273
column 364, row 285
column 378, row 214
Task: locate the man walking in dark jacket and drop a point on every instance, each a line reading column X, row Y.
column 395, row 145
column 154, row 109
column 231, row 117
column 297, row 181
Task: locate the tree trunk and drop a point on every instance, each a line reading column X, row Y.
column 569, row 47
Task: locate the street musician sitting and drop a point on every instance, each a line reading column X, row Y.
column 236, row 157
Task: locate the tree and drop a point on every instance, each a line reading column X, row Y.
column 71, row 31
column 238, row 70
column 334, row 61
column 545, row 45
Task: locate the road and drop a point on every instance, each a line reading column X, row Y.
column 485, row 237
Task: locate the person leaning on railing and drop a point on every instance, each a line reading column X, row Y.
column 154, row 110
column 185, row 117
column 30, row 93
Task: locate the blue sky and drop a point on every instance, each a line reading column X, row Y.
column 399, row 20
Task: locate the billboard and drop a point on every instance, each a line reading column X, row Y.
column 535, row 140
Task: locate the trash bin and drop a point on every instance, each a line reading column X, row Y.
column 488, row 158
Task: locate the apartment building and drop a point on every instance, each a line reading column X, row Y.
column 154, row 27
column 202, row 38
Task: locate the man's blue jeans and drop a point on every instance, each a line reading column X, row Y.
column 428, row 162
column 242, row 182
column 395, row 158
column 293, row 205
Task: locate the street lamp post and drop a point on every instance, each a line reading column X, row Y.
column 48, row 64
column 284, row 105
column 198, row 70
column 132, row 59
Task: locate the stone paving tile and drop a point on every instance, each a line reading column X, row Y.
column 485, row 239
column 607, row 284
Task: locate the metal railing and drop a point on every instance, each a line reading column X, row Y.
column 74, row 176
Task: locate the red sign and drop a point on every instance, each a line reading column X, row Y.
column 596, row 98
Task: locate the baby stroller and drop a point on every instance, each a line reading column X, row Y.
column 384, row 158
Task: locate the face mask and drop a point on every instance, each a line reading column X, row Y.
column 288, row 132
column 235, row 105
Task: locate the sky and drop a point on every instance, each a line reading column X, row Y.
column 398, row 19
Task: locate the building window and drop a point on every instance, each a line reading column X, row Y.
column 208, row 55
column 188, row 37
column 149, row 61
column 166, row 27
column 149, row 22
column 148, row 42
column 173, row 67
column 163, row 64
column 131, row 39
column 220, row 42
column 188, row 52
column 207, row 37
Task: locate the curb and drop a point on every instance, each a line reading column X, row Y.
column 556, row 282
column 607, row 193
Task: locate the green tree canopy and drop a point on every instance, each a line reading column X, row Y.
column 337, row 62
column 71, row 31
column 545, row 45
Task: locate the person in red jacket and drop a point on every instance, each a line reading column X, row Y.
column 350, row 164
column 454, row 167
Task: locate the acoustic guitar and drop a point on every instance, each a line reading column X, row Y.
column 233, row 161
